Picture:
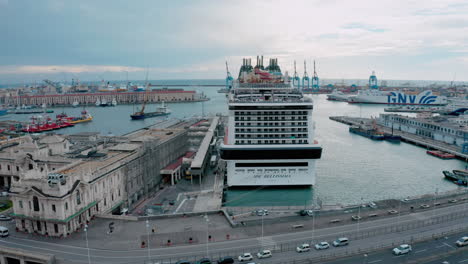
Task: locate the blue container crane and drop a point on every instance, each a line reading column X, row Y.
column 315, row 81
column 305, row 78
column 373, row 81
column 296, row 79
column 229, row 78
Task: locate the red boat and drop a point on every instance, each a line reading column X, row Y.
column 440, row 154
column 46, row 124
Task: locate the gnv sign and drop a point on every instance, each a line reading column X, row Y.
column 425, row 97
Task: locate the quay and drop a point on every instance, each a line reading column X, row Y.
column 154, row 96
column 417, row 140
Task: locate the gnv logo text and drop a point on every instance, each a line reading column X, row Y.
column 401, row 98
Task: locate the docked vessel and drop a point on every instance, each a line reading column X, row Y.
column 337, row 95
column 374, row 96
column 160, row 111
column 40, row 124
column 440, row 154
column 368, row 132
column 458, row 176
column 85, row 117
column 270, row 132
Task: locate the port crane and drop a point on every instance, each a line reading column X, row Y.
column 229, row 78
column 305, row 78
column 58, row 87
column 315, row 80
column 373, row 81
column 296, row 79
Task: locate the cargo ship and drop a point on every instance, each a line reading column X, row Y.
column 45, row 124
column 374, row 96
column 367, row 132
column 458, row 176
column 269, row 139
column 160, row 111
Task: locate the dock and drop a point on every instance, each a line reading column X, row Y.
column 417, row 140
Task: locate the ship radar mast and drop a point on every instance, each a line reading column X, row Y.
column 305, row 78
column 296, row 79
column 373, row 81
column 229, row 78
column 315, row 80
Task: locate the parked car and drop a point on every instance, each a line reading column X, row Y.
column 463, row 241
column 4, row 231
column 261, row 212
column 264, row 254
column 245, row 257
column 406, row 200
column 372, row 205
column 392, row 211
column 306, row 212
column 5, row 218
column 322, row 245
column 204, row 261
column 342, row 241
column 402, row 249
column 303, row 248
column 424, row 206
column 226, row 260
column 453, row 201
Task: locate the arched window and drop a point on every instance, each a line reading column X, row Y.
column 78, row 197
column 35, row 203
column 31, row 166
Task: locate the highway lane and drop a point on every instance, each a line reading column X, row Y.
column 420, row 252
column 234, row 247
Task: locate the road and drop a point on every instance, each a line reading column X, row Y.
column 370, row 238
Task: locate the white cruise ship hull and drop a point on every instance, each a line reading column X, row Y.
column 398, row 98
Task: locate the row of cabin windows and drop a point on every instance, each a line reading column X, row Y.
column 272, row 136
column 269, row 118
column 272, row 113
column 30, row 166
column 300, row 141
column 271, row 130
column 271, row 124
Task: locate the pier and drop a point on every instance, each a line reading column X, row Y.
column 417, row 140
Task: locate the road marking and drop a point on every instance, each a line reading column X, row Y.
column 450, row 246
column 465, row 260
column 422, row 250
column 439, row 246
column 180, row 205
column 374, row 261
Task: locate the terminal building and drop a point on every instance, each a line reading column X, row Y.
column 451, row 130
column 59, row 183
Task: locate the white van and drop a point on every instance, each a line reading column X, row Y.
column 4, row 231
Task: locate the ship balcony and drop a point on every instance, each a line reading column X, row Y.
column 271, row 131
column 271, row 118
column 270, row 113
column 266, row 125
column 285, row 136
column 272, row 142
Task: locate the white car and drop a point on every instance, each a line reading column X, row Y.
column 402, row 249
column 322, row 245
column 463, row 241
column 264, row 254
column 342, row 241
column 245, row 257
column 372, row 205
column 303, row 248
column 261, row 212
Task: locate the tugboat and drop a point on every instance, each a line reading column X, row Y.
column 440, row 154
column 85, row 117
column 459, row 177
column 160, row 111
column 368, row 131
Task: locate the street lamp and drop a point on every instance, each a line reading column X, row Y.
column 207, row 220
column 359, row 216
column 147, row 234
column 87, row 245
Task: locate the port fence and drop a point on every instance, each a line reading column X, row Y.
column 290, row 246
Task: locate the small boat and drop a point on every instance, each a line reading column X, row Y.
column 367, row 132
column 457, row 176
column 440, row 154
column 114, row 102
column 85, row 117
column 160, row 111
column 98, row 102
column 392, row 138
column 3, row 112
column 75, row 104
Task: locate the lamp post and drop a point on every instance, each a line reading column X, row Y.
column 207, row 220
column 147, row 234
column 359, row 216
column 87, row 245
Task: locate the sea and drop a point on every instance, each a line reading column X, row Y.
column 353, row 169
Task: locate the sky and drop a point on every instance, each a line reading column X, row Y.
column 108, row 39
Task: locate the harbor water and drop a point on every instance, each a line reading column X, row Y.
column 352, row 168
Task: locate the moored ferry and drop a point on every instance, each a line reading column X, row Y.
column 374, row 96
column 270, row 133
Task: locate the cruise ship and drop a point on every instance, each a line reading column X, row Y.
column 269, row 138
column 374, row 96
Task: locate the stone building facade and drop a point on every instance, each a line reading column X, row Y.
column 62, row 198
